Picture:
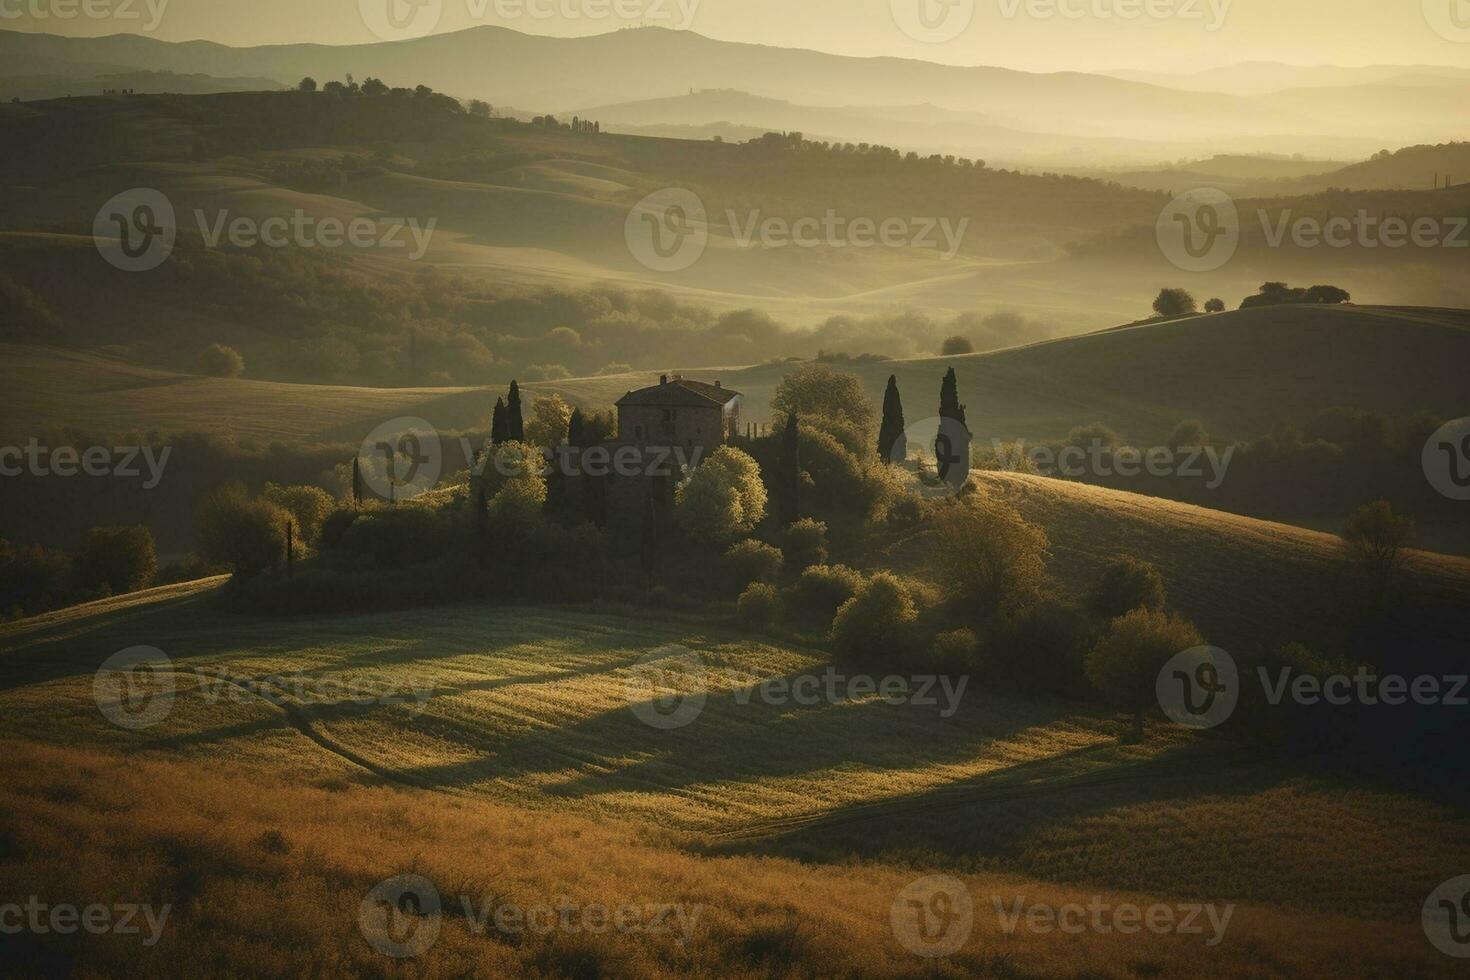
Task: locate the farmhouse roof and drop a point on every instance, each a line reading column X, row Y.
column 681, row 391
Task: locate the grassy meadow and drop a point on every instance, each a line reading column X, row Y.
column 512, row 755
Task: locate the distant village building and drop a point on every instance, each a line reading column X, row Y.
column 675, row 422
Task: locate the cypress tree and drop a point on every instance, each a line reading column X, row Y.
column 791, row 464
column 499, row 428
column 946, row 453
column 949, row 400
column 574, row 429
column 357, row 482
column 514, row 425
column 892, row 446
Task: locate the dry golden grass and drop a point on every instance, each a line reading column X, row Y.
column 266, row 879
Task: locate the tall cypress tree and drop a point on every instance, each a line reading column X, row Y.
column 952, row 445
column 574, row 429
column 514, row 425
column 499, row 429
column 357, row 482
column 892, row 446
column 791, row 468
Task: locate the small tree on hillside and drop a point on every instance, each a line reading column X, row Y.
column 1126, row 583
column 550, row 418
column 1376, row 537
column 1125, row 664
column 990, row 556
column 1215, row 305
column 118, row 559
column 240, row 532
column 307, row 84
column 946, row 453
column 892, row 446
column 1174, row 302
column 874, row 624
column 956, row 345
column 219, row 361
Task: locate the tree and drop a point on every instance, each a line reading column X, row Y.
column 1215, row 305
column 515, row 425
column 499, row 427
column 1174, row 302
column 992, row 557
column 1375, row 537
column 946, row 453
column 219, row 361
column 759, row 605
column 374, row 86
column 892, row 446
column 723, row 498
column 307, row 84
column 1125, row 664
column 1188, row 433
column 791, row 469
column 574, row 428
column 119, row 559
column 550, row 418
column 1327, row 294
column 308, row 506
column 1095, row 435
column 875, row 622
column 240, row 532
column 956, row 345
column 752, row 561
column 819, row 394
column 479, row 109
column 1126, row 583
column 357, row 484
column 334, row 87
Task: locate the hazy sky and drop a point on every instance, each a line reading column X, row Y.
column 1037, row 35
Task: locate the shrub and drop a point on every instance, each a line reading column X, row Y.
column 1188, row 433
column 247, row 535
column 117, row 559
column 992, row 557
column 806, row 543
column 1215, row 305
column 1038, row 650
column 956, row 345
column 1094, row 435
column 1126, row 584
column 1125, row 664
column 752, row 561
column 821, row 589
column 32, row 579
column 759, row 605
column 874, row 623
column 219, row 361
column 955, row 651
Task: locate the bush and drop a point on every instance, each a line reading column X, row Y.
column 396, row 537
column 955, row 652
column 992, row 557
column 752, row 561
column 1038, row 651
column 247, row 535
column 1187, row 434
column 117, row 559
column 806, row 543
column 1094, row 435
column 957, row 345
column 1125, row 664
column 33, row 579
column 1215, row 305
column 759, row 605
column 1375, row 537
column 821, row 589
column 1126, row 584
column 874, row 624
column 219, row 361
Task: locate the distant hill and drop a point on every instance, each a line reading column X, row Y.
column 29, row 88
column 504, row 66
column 1262, row 77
